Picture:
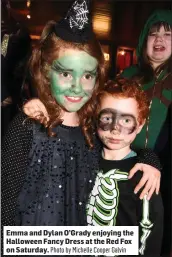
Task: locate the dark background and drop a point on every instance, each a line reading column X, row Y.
column 117, row 24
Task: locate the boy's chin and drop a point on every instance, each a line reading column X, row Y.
column 114, row 146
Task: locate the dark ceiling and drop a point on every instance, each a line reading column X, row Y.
column 117, row 21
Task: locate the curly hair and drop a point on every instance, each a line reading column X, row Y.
column 40, row 62
column 122, row 88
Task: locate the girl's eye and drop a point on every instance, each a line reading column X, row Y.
column 168, row 34
column 88, row 76
column 152, row 34
column 65, row 74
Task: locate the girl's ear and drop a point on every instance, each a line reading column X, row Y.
column 140, row 126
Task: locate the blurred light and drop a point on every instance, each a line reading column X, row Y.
column 28, row 16
column 20, row 12
column 106, row 56
column 35, row 37
column 28, row 3
column 122, row 52
column 101, row 24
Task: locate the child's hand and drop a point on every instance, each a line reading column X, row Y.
column 34, row 108
column 151, row 179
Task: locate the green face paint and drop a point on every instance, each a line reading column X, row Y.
column 73, row 78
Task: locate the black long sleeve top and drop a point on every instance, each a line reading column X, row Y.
column 112, row 202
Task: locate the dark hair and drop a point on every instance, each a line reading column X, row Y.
column 146, row 71
column 43, row 55
column 121, row 88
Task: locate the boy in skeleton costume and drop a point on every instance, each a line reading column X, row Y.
column 121, row 112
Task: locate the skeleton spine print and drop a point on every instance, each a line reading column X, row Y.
column 102, row 207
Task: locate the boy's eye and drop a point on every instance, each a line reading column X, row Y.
column 106, row 119
column 127, row 122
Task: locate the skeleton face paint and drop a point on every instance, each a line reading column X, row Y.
column 111, row 119
column 117, row 124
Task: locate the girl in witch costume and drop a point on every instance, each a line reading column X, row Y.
column 48, row 171
column 154, row 74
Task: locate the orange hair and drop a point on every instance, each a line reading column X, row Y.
column 121, row 88
column 41, row 60
column 126, row 88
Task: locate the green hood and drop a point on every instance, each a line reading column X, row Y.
column 159, row 15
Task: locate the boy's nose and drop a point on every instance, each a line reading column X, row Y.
column 115, row 130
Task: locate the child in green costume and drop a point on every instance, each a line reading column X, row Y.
column 154, row 74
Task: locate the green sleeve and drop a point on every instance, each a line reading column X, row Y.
column 130, row 72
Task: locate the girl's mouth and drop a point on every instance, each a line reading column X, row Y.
column 159, row 48
column 74, row 99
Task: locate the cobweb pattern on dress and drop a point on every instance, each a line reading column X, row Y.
column 77, row 15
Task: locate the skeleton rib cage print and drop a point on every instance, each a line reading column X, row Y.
column 102, row 208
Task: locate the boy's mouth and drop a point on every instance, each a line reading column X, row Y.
column 114, row 141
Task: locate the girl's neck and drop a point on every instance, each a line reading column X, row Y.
column 70, row 119
column 155, row 65
column 115, row 154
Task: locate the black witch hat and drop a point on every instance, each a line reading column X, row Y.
column 76, row 26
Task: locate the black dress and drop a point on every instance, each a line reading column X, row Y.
column 46, row 180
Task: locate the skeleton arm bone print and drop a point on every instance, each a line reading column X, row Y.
column 150, row 226
column 103, row 209
column 146, row 225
